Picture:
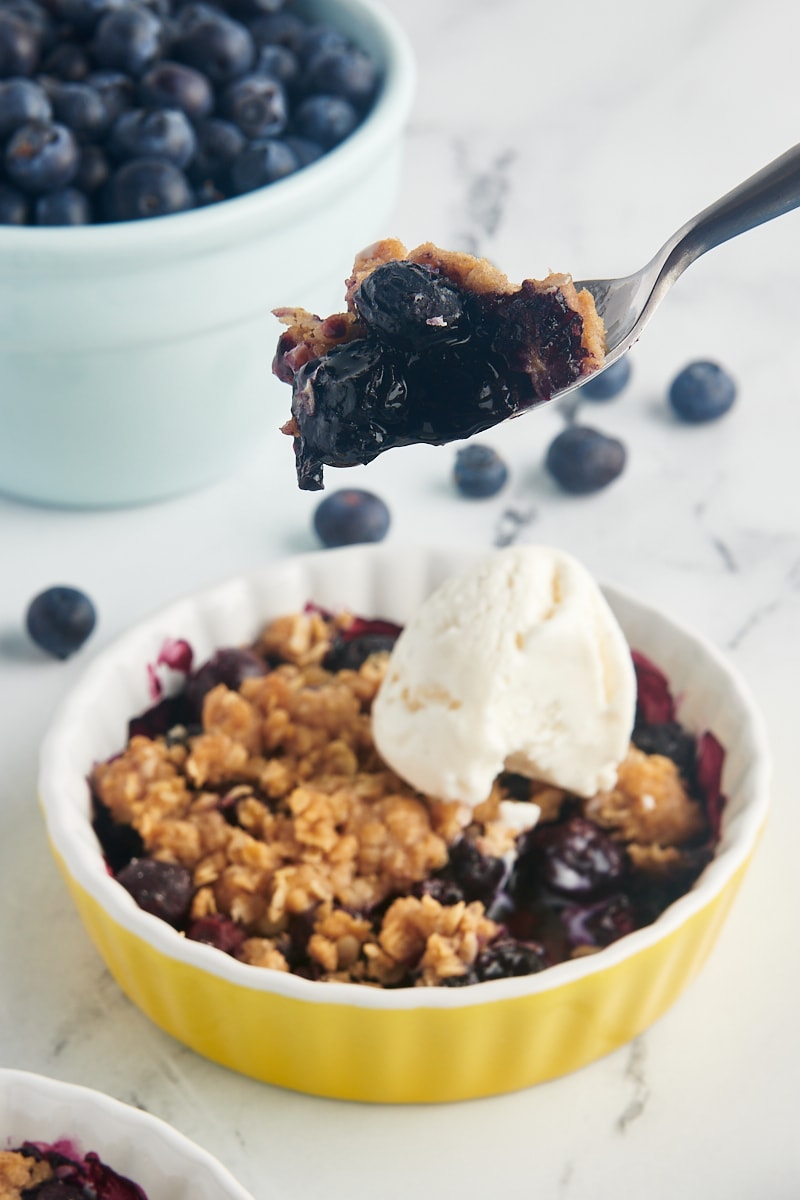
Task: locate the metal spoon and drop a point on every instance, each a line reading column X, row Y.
column 627, row 304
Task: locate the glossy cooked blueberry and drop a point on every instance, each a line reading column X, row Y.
column 351, row 653
column 477, row 875
column 22, row 100
column 230, row 666
column 703, row 391
column 147, row 187
column 670, row 739
column 176, row 85
column 351, row 516
column 257, row 104
column 215, row 44
column 479, row 471
column 601, row 923
column 41, row 156
column 19, row 46
column 343, row 71
column 120, row 842
column 263, row 161
column 128, row 40
column 584, row 460
column 574, row 858
column 162, row 133
column 60, row 619
column 67, row 206
column 164, row 889
column 410, row 306
column 607, row 384
column 13, row 206
column 325, row 119
column 82, row 109
column 507, row 958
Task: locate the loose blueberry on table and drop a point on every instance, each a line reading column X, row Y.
column 702, row 391
column 479, row 471
column 60, row 619
column 351, row 516
column 264, row 757
column 147, row 110
column 583, row 460
column 434, row 347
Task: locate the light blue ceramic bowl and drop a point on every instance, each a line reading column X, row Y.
column 135, row 357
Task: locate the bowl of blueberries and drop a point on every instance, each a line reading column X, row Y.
column 170, row 171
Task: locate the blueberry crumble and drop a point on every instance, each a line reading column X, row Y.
column 434, row 346
column 37, row 1171
column 252, row 812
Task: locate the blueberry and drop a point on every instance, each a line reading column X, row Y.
column 574, row 858
column 158, row 133
column 218, row 144
column 583, row 460
column 128, row 40
column 609, row 383
column 60, row 619
column 41, row 157
column 67, row 206
column 703, row 391
column 257, row 104
column 231, row 666
column 479, row 471
column 601, row 923
column 351, row 653
column 325, row 119
column 279, row 29
column 319, row 39
column 93, row 170
column 477, row 875
column 147, row 187
column 117, row 89
column 304, row 150
column 343, row 71
column 36, row 17
column 216, row 45
column 68, row 61
column 19, row 46
column 84, row 14
column 349, row 516
column 162, row 888
column 279, row 63
column 507, row 958
column 82, row 109
column 670, row 739
column 13, row 206
column 176, row 85
column 410, row 306
column 22, row 100
column 262, row 161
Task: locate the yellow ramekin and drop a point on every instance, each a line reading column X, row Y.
column 362, row 1043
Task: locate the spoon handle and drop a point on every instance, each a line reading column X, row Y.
column 771, row 192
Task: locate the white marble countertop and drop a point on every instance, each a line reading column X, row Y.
column 544, row 135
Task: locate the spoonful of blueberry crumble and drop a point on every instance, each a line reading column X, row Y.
column 435, row 345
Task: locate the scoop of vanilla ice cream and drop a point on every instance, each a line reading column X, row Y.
column 518, row 665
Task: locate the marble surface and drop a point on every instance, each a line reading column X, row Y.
column 544, row 135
